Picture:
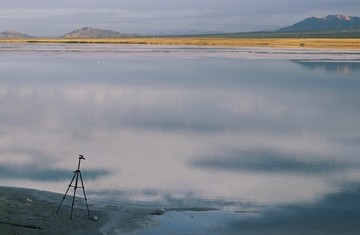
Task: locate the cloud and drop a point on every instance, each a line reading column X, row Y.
column 163, row 16
column 63, row 20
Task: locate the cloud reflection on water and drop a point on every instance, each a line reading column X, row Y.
column 336, row 213
column 145, row 123
column 268, row 161
column 40, row 173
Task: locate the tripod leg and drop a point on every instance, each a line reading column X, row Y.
column 83, row 187
column 76, row 183
column 65, row 193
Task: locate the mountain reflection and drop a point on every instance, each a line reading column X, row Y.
column 340, row 68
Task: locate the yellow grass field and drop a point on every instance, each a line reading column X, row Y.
column 320, row 43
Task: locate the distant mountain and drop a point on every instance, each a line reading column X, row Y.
column 88, row 32
column 330, row 22
column 13, row 34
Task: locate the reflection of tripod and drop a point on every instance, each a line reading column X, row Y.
column 77, row 173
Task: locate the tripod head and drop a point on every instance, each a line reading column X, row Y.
column 81, row 157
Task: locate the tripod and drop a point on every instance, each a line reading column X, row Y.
column 76, row 176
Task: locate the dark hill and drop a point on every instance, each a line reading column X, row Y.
column 330, row 22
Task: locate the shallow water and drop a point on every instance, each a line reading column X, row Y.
column 225, row 128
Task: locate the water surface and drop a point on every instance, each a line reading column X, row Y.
column 231, row 129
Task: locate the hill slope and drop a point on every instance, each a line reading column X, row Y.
column 13, row 34
column 88, row 32
column 330, row 22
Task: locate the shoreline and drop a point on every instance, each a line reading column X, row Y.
column 33, row 212
column 30, row 211
column 306, row 43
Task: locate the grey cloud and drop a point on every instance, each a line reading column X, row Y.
column 198, row 4
column 161, row 15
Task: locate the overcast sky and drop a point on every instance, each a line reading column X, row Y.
column 55, row 18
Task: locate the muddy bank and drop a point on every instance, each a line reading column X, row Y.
column 28, row 211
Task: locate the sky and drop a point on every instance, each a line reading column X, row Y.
column 55, row 18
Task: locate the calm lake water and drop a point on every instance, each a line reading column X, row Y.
column 233, row 129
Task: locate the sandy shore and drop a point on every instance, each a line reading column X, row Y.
column 314, row 43
column 27, row 211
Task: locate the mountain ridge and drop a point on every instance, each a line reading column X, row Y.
column 89, row 32
column 330, row 22
column 13, row 34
